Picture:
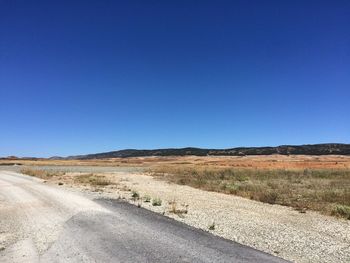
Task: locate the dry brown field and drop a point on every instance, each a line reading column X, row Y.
column 320, row 183
column 258, row 162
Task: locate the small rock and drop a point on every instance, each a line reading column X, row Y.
column 60, row 183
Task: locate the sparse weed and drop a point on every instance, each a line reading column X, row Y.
column 135, row 195
column 41, row 173
column 92, row 179
column 157, row 202
column 212, row 226
column 342, row 210
column 178, row 210
column 268, row 197
column 147, row 198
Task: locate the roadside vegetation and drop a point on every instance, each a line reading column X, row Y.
column 211, row 226
column 92, row 179
column 325, row 190
column 43, row 174
column 147, row 199
column 83, row 179
column 156, row 201
column 178, row 209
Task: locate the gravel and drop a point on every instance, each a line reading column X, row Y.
column 275, row 229
column 54, row 224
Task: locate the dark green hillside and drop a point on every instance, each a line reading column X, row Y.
column 310, row 149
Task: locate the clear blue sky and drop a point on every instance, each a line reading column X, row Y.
column 92, row 76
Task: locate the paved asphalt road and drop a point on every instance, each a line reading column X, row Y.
column 42, row 223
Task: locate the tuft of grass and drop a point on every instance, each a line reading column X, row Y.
column 212, row 226
column 269, row 197
column 156, row 201
column 303, row 189
column 147, row 198
column 92, row 179
column 180, row 211
column 342, row 211
column 135, row 195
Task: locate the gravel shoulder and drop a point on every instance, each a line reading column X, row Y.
column 275, row 229
column 41, row 222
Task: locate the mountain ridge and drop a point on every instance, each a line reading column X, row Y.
column 306, row 149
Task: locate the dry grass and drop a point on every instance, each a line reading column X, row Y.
column 147, row 199
column 84, row 179
column 260, row 162
column 92, row 179
column 320, row 183
column 342, row 210
column 41, row 173
column 316, row 189
column 156, row 201
column 177, row 209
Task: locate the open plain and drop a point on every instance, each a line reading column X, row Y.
column 292, row 232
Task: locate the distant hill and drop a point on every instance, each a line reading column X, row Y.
column 309, row 149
